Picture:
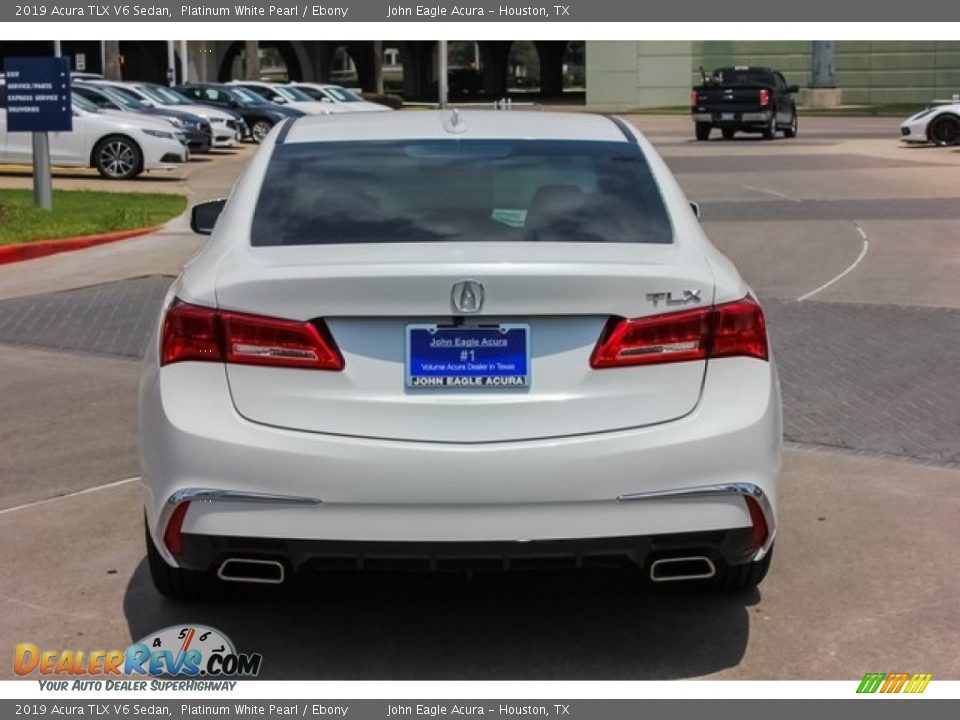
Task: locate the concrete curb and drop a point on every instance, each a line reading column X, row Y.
column 42, row 248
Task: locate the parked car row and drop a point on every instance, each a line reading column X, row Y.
column 227, row 128
column 119, row 144
column 124, row 128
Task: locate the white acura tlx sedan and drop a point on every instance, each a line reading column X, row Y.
column 448, row 340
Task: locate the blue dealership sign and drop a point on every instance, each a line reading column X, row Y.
column 38, row 94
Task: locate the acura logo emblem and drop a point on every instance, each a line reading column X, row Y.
column 467, row 296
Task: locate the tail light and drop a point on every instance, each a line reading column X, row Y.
column 192, row 332
column 731, row 329
column 764, row 97
column 693, row 97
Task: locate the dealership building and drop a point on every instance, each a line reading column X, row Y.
column 605, row 75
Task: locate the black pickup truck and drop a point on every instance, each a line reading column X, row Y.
column 746, row 99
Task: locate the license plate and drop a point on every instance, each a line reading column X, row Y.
column 495, row 356
column 727, row 116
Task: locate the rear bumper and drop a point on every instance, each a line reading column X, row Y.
column 208, row 553
column 274, row 484
column 736, row 119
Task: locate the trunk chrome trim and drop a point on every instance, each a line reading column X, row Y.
column 739, row 489
column 211, row 495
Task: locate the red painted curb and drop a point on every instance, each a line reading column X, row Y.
column 41, row 248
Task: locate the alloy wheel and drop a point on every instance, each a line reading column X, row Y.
column 117, row 158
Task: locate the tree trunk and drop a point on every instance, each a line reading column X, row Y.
column 252, row 60
column 111, row 60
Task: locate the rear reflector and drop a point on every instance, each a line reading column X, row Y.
column 731, row 329
column 173, row 533
column 758, row 529
column 192, row 332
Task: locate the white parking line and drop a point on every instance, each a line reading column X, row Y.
column 828, row 283
column 87, row 491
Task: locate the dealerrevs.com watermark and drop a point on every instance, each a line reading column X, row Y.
column 203, row 655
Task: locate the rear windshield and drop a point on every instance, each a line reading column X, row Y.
column 743, row 76
column 456, row 190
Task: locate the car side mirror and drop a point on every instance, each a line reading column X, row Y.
column 696, row 209
column 203, row 216
column 793, row 89
column 326, row 100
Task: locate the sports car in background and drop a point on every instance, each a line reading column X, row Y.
column 939, row 125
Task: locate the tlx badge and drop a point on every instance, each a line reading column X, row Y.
column 689, row 296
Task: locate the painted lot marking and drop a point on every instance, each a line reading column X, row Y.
column 87, row 491
column 771, row 192
column 851, row 268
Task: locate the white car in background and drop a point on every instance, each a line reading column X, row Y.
column 288, row 96
column 339, row 95
column 227, row 128
column 939, row 125
column 444, row 339
column 119, row 145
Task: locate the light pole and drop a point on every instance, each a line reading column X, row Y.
column 184, row 63
column 442, row 74
column 171, row 64
column 378, row 66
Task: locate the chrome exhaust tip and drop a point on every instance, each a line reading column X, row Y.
column 251, row 570
column 694, row 567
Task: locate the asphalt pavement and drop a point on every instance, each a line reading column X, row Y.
column 851, row 242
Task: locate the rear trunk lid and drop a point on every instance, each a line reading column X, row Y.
column 368, row 295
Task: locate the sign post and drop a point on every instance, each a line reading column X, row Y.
column 38, row 101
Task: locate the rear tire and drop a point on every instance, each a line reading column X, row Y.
column 178, row 584
column 703, row 130
column 770, row 131
column 945, row 130
column 737, row 578
column 728, row 133
column 791, row 132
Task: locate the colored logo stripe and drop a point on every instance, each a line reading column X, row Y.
column 871, row 682
column 894, row 682
column 918, row 683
